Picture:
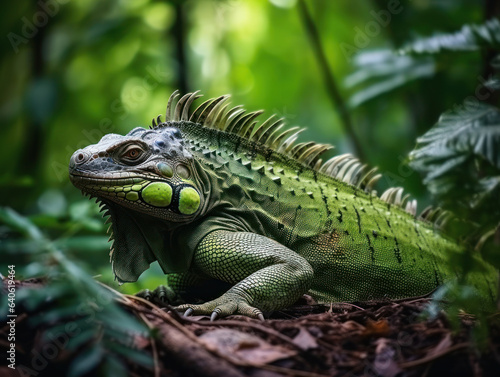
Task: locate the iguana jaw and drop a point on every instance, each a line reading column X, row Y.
column 134, row 242
column 158, row 198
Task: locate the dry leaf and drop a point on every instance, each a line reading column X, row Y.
column 379, row 328
column 384, row 363
column 305, row 340
column 243, row 347
column 352, row 326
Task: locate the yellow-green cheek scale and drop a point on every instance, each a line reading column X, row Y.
column 158, row 194
column 189, row 201
column 132, row 195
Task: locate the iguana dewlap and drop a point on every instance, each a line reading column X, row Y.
column 239, row 212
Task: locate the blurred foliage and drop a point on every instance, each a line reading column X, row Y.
column 459, row 156
column 76, row 313
column 469, row 38
column 76, row 70
column 379, row 72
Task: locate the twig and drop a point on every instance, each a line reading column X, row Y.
column 156, row 310
column 290, row 372
column 424, row 360
column 178, row 31
column 30, row 159
column 153, row 346
column 331, row 86
column 255, row 326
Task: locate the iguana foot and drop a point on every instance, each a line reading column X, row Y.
column 161, row 296
column 223, row 306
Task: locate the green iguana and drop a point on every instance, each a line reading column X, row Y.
column 239, row 212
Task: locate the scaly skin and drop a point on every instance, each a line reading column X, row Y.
column 238, row 214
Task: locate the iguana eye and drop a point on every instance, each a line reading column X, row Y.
column 133, row 153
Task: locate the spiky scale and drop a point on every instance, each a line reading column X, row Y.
column 261, row 129
column 168, row 112
column 208, row 109
column 213, row 118
column 187, row 105
column 247, row 164
column 266, row 136
column 180, row 106
column 261, row 170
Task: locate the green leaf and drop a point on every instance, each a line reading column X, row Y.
column 86, row 361
column 113, row 366
column 458, row 135
column 381, row 71
column 88, row 244
column 20, row 223
column 137, row 356
column 459, row 158
column 85, row 335
column 469, row 38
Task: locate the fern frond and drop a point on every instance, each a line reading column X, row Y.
column 469, row 38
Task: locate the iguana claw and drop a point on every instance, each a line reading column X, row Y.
column 223, row 306
column 145, row 294
column 161, row 295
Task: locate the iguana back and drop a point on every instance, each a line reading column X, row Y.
column 361, row 247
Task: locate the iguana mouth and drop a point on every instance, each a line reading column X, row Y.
column 95, row 183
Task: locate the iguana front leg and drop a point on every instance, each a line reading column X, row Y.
column 266, row 274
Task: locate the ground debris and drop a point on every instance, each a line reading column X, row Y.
column 388, row 339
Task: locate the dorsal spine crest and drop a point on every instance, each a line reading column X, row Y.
column 216, row 114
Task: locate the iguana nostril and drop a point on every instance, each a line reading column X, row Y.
column 79, row 158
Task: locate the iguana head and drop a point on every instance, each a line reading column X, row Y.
column 149, row 185
column 148, row 171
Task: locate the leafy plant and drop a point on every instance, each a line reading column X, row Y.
column 469, row 38
column 381, row 71
column 73, row 313
column 460, row 160
column 461, row 150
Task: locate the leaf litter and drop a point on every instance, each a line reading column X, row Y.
column 388, row 339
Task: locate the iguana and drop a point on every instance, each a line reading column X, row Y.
column 239, row 212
